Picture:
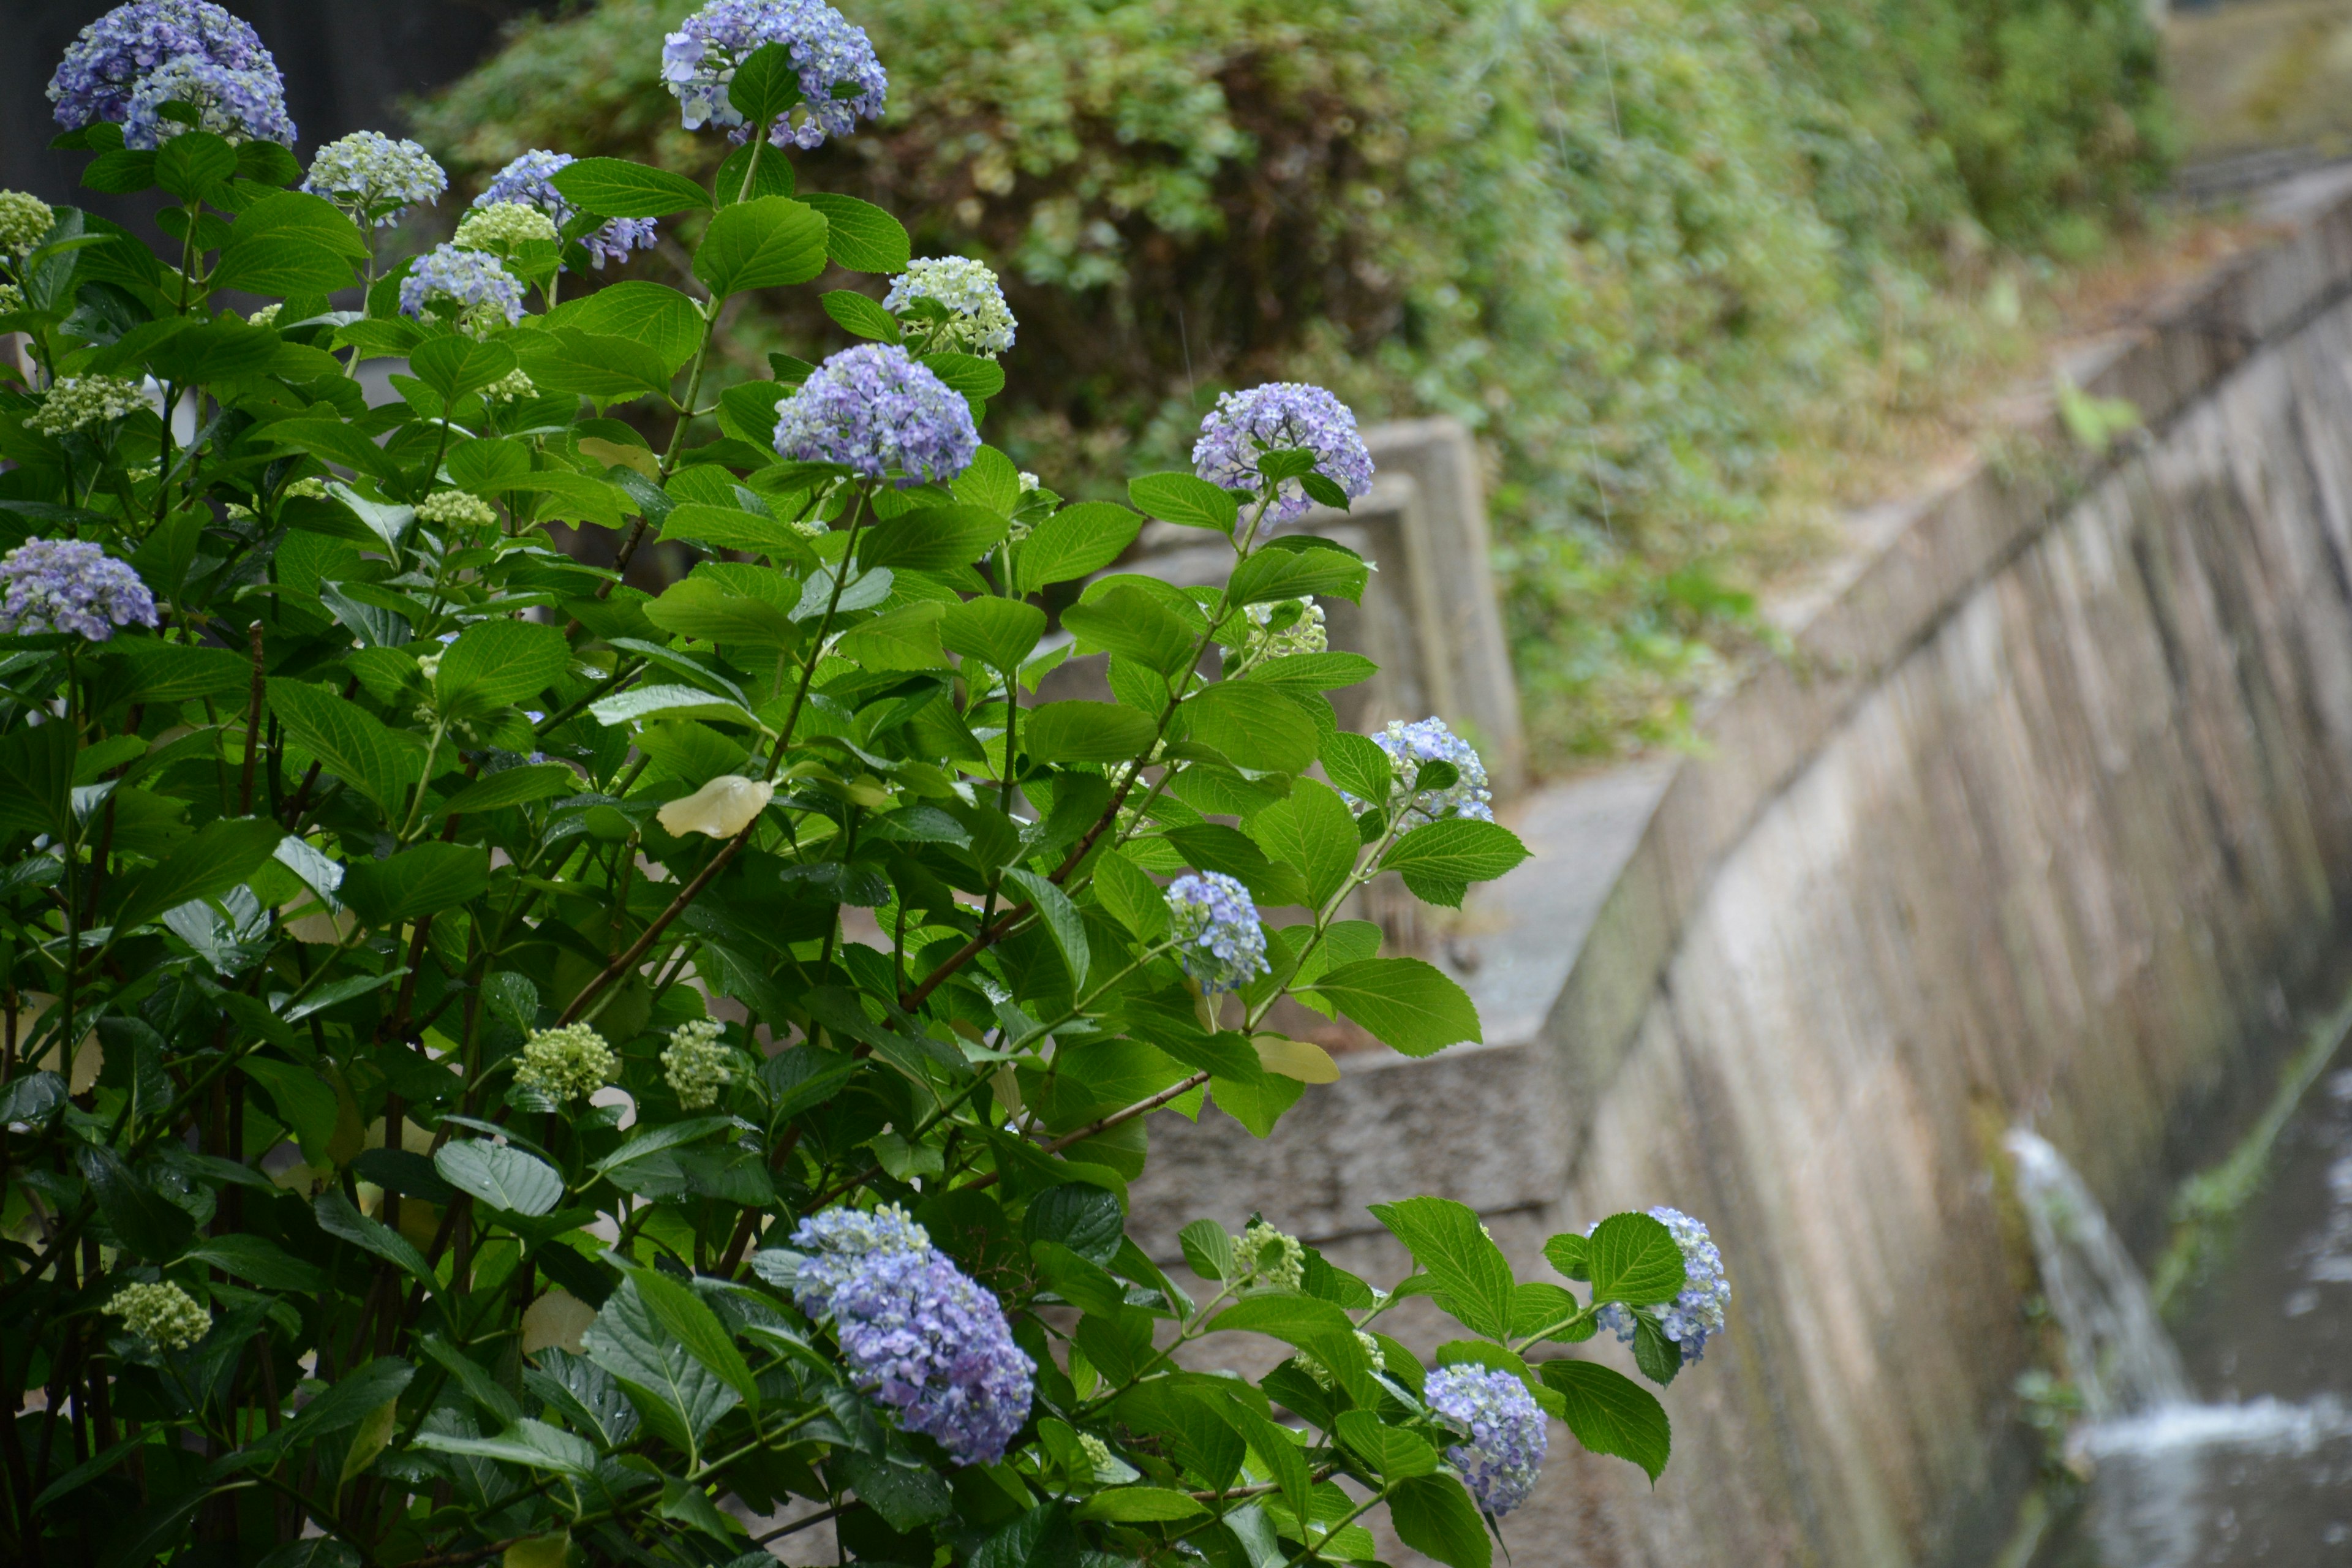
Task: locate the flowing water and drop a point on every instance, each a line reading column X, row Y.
column 2233, row 1447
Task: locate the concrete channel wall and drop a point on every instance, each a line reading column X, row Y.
column 2052, row 809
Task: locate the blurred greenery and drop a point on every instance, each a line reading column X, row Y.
column 1649, row 250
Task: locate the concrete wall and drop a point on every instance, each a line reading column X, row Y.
column 2049, row 808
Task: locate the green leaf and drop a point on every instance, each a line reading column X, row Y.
column 221, row 855
column 526, row 1442
column 498, row 663
column 1612, row 1414
column 1212, row 846
column 1139, row 1505
column 1312, row 831
column 512, row 787
column 1542, row 1306
column 615, row 188
column 1273, row 575
column 1356, row 765
column 1257, row 1101
column 1438, row 860
column 643, row 703
column 1319, row 1328
column 1086, row 1219
column 907, row 1493
column 1125, row 889
column 1255, row 726
column 1658, row 1357
column 997, row 632
column 730, row 528
column 141, row 1219
column 765, row 84
column 1571, row 1253
column 194, row 165
column 644, row 312
column 932, row 540
column 968, row 373
column 1633, row 1259
column 1408, row 1005
column 679, row 1310
column 1061, row 919
column 679, row 1396
column 1435, row 1516
column 654, row 1139
column 991, row 482
column 1185, row 499
column 336, row 1217
column 457, row 364
column 1086, row 732
column 747, row 411
column 488, row 467
column 305, row 1103
column 861, row 317
column 768, row 243
column 904, row 638
column 37, row 762
column 574, row 497
column 330, row 441
column 1453, row 1249
column 1077, row 542
column 592, row 364
column 860, row 236
column 121, row 172
column 501, row 1174
column 421, row 879
column 699, row 607
column 348, row 741
column 1130, row 623
column 1394, row 1453
column 290, row 243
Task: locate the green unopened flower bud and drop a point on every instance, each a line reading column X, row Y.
column 1322, row 1374
column 1097, row 1451
column 1286, row 626
column 502, row 225
column 696, row 1064
column 11, row 299
column 25, row 221
column 512, row 387
column 1268, row 1257
column 456, row 509
column 79, row 402
column 267, row 315
column 163, row 1315
column 570, row 1063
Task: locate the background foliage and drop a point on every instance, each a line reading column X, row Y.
column 1647, row 248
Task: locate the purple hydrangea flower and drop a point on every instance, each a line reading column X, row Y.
column 70, row 586
column 1429, row 740
column 874, row 410
column 827, row 52
column 1218, row 939
column 241, row 105
column 918, row 1333
column 1505, row 1428
column 480, row 287
column 531, row 179
column 1277, row 416
column 1699, row 1312
column 103, row 64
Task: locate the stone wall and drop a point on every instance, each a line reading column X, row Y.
column 2045, row 817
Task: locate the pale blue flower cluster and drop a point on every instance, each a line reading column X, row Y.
column 918, row 1334
column 375, row 178
column 1699, row 1312
column 480, row 288
column 103, row 64
column 1505, row 1428
column 241, row 105
column 877, row 412
column 1429, row 740
column 531, row 180
column 700, row 60
column 979, row 320
column 1218, row 939
column 1279, row 417
column 70, row 586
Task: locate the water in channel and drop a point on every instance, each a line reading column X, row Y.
column 2230, row 1446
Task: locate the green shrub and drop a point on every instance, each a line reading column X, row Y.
column 1644, row 249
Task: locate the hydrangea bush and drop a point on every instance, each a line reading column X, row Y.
column 497, row 1065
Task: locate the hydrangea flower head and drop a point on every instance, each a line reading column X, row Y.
column 104, row 64
column 918, row 1333
column 1279, row 417
column 1315, row 1369
column 163, row 1315
column 570, row 1063
column 1697, row 1313
column 78, row 402
column 374, row 177
column 531, row 180
column 877, row 412
column 1270, row 1256
column 1280, row 627
column 456, row 509
column 700, row 60
column 512, row 387
column 503, row 225
column 697, row 1064
column 979, row 320
column 1503, row 1427
column 1218, row 939
column 25, row 221
column 70, row 586
column 1429, row 740
column 240, row 105
column 485, row 292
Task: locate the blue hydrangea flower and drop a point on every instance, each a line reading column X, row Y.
column 70, row 586
column 1219, row 940
column 241, row 105
column 827, row 52
column 1279, row 416
column 1505, row 1428
column 874, row 410
column 1429, row 740
column 104, row 63
column 979, row 320
column 1691, row 1316
column 529, row 179
column 375, row 178
column 481, row 289
column 918, row 1334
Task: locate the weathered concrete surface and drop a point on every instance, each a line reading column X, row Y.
column 2052, row 801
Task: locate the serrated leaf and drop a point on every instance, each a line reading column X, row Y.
column 1394, row 1453
column 617, row 187
column 861, row 235
column 1129, row 892
column 1077, row 542
column 1408, row 1005
column 1633, row 1259
column 859, row 315
column 1186, row 499
column 220, row 856
column 512, row 787
column 501, row 1174
column 336, row 1217
column 1086, row 732
column 1061, row 919
column 999, row 633
column 679, row 1397
column 348, row 741
column 1610, row 1413
column 1453, row 1249
column 934, row 539
column 766, row 243
column 421, row 879
column 1255, row 726
column 1434, row 1516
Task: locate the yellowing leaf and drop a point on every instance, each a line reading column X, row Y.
column 721, row 808
column 1306, row 1062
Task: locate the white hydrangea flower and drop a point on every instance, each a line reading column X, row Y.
column 1277, row 632
column 979, row 322
column 503, row 225
column 268, row 315
column 456, row 509
column 697, row 1064
column 570, row 1063
column 163, row 1315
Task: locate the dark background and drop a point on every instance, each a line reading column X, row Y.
column 348, row 64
